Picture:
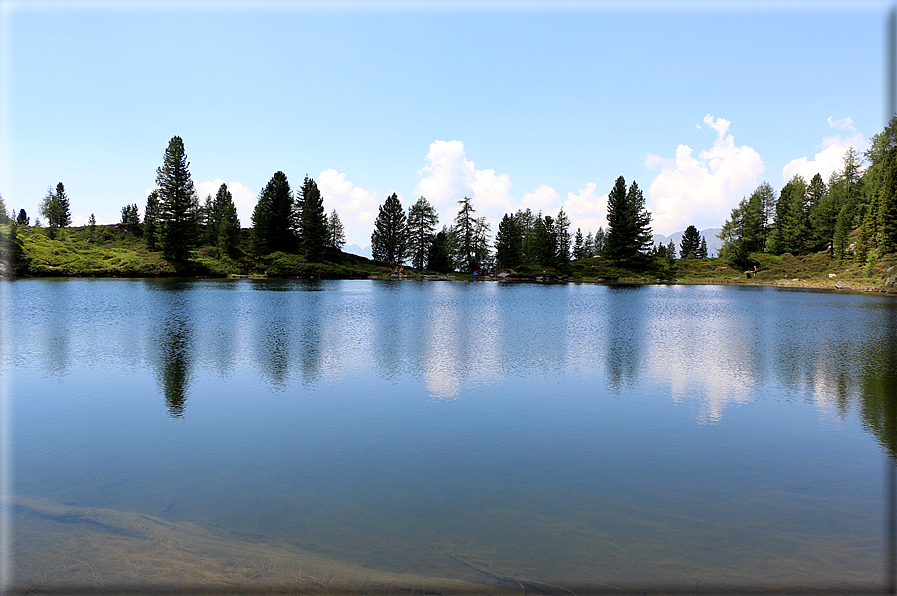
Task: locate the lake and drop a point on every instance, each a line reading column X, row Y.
column 445, row 436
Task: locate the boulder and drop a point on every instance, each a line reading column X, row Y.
column 891, row 281
column 842, row 286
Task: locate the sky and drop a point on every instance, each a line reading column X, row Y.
column 514, row 104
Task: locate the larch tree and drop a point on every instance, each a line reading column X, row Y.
column 336, row 232
column 466, row 230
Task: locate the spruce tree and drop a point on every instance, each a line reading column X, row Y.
column 422, row 222
column 178, row 203
column 313, row 222
column 629, row 223
column 389, row 241
column 578, row 245
column 702, row 249
column 438, row 258
column 508, row 243
column 23, row 218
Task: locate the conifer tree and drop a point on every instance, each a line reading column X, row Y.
column 151, row 220
column 63, row 214
column 438, row 255
column 178, row 203
column 578, row 245
column 690, row 243
column 92, row 225
column 422, row 222
column 465, row 229
column 130, row 214
column 702, row 250
column 336, row 233
column 508, row 243
column 312, row 222
column 273, row 217
column 389, row 241
column 23, row 218
column 562, row 237
column 228, row 227
column 629, row 223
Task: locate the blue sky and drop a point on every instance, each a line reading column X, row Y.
column 513, row 104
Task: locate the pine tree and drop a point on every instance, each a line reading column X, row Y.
column 482, row 253
column 816, row 197
column 92, row 225
column 130, row 215
column 336, row 233
column 438, row 255
column 629, row 224
column 4, row 216
column 63, row 213
column 599, row 241
column 508, row 243
column 389, row 241
column 562, row 234
column 690, row 243
column 229, row 226
column 422, row 222
column 23, row 218
column 702, row 250
column 273, row 217
column 313, row 222
column 578, row 245
column 178, row 203
column 465, row 228
column 151, row 216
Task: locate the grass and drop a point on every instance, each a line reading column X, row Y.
column 120, row 251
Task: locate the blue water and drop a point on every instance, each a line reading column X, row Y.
column 572, row 434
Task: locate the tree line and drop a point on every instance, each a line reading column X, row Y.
column 852, row 216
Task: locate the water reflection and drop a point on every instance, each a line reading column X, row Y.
column 174, row 344
column 708, row 345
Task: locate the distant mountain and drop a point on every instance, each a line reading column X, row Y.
column 365, row 252
column 713, row 243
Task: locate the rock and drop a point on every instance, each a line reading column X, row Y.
column 831, row 275
column 891, row 281
column 891, row 268
column 842, row 286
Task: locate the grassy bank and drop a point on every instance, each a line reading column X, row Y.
column 120, row 251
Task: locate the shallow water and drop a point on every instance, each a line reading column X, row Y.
column 561, row 435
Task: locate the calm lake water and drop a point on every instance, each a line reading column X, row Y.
column 556, row 436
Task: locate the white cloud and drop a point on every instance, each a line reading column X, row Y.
column 831, row 158
column 449, row 177
column 702, row 190
column 357, row 207
column 544, row 199
column 586, row 211
column 244, row 199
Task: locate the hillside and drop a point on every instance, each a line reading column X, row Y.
column 119, row 251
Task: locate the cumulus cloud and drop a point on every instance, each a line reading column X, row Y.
column 357, row 207
column 586, row 210
column 448, row 177
column 702, row 190
column 244, row 199
column 831, row 158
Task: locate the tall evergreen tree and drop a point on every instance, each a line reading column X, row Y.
column 562, row 234
column 229, row 226
column 816, row 197
column 178, row 203
column 465, row 228
column 791, row 230
column 313, row 222
column 422, row 222
column 508, row 243
column 63, row 214
column 151, row 216
column 690, row 243
column 23, row 218
column 702, row 249
column 438, row 255
column 598, row 241
column 481, row 251
column 389, row 242
column 273, row 218
column 629, row 223
column 579, row 251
